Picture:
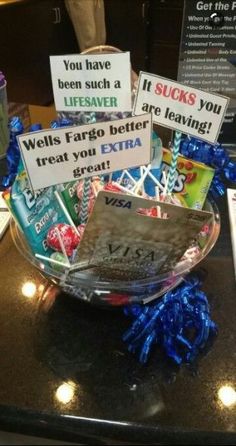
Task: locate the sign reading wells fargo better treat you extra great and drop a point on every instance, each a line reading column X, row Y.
column 96, row 82
column 181, row 107
column 61, row 155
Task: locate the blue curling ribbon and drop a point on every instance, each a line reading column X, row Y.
column 214, row 155
column 90, row 118
column 35, row 127
column 13, row 152
column 180, row 323
column 63, row 122
column 230, row 171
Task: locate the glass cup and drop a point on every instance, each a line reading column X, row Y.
column 4, row 131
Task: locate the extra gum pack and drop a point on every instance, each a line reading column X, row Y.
column 193, row 180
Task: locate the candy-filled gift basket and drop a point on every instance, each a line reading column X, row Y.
column 144, row 239
column 108, row 280
column 99, row 206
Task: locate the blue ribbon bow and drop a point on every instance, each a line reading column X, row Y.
column 180, row 322
column 214, row 155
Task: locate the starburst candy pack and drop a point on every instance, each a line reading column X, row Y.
column 192, row 181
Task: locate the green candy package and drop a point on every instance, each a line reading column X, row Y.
column 68, row 194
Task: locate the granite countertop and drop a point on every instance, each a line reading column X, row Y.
column 66, row 374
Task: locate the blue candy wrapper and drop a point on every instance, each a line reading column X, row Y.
column 35, row 213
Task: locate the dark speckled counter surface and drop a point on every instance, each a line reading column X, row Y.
column 50, row 340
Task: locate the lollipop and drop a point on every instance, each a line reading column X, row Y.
column 69, row 237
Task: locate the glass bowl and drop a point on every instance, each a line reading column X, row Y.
column 86, row 284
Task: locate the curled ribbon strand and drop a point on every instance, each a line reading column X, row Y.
column 13, row 152
column 214, row 155
column 180, row 323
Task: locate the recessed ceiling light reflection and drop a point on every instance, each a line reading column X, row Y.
column 227, row 395
column 65, row 393
column 41, row 288
column 29, row 289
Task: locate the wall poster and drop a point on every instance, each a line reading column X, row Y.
column 208, row 55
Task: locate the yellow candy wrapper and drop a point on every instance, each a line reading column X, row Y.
column 193, row 180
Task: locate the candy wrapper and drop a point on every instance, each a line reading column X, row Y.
column 65, row 234
column 193, row 180
column 214, row 155
column 70, row 199
column 34, row 213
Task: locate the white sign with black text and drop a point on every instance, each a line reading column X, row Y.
column 180, row 107
column 61, row 155
column 95, row 82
